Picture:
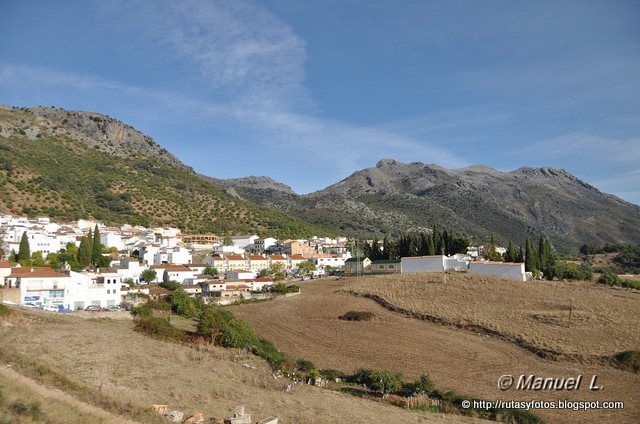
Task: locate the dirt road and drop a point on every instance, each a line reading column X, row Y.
column 100, row 414
column 307, row 326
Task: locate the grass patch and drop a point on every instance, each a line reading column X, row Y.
column 4, row 310
column 357, row 316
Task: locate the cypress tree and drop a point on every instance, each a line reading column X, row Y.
column 85, row 250
column 437, row 240
column 431, row 248
column 510, row 255
column 386, row 248
column 520, row 255
column 96, row 248
column 24, row 253
column 445, row 242
column 531, row 260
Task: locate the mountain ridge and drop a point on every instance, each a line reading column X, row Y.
column 74, row 164
column 393, row 197
column 124, row 175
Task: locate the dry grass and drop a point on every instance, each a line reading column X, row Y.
column 570, row 318
column 469, row 363
column 51, row 410
column 109, row 357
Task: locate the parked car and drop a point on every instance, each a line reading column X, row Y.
column 50, row 308
column 93, row 308
column 114, row 309
column 29, row 306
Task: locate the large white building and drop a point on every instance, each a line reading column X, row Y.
column 42, row 286
column 510, row 270
column 423, row 264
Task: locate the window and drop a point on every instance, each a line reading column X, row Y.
column 56, row 294
column 390, row 266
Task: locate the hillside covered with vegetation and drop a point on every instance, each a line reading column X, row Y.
column 71, row 165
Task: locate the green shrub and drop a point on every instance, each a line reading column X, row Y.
column 630, row 284
column 357, row 316
column 305, row 365
column 143, row 311
column 32, row 409
column 183, row 304
column 159, row 328
column 609, row 278
column 628, row 360
column 380, row 381
column 331, row 374
column 283, row 288
column 423, row 384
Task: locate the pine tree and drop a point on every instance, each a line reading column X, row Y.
column 96, row 248
column 24, row 253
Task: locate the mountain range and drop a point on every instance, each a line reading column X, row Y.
column 69, row 164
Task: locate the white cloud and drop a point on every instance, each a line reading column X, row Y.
column 596, row 149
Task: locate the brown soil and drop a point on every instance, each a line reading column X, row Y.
column 575, row 318
column 307, row 326
column 108, row 356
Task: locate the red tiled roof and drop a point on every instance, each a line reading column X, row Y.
column 277, row 258
column 5, row 264
column 235, row 258
column 35, row 272
column 238, row 287
column 172, row 267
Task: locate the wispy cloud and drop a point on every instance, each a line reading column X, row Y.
column 248, row 66
column 595, row 149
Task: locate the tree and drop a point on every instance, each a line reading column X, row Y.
column 148, row 275
column 210, row 271
column 510, row 255
column 306, row 267
column 24, row 253
column 228, row 241
column 490, row 251
column 530, row 257
column 376, row 251
column 520, row 255
column 388, row 248
column 431, row 247
column 85, row 250
column 424, row 384
column 37, row 259
column 96, row 248
column 277, row 271
column 182, row 304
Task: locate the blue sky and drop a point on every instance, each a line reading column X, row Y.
column 309, row 92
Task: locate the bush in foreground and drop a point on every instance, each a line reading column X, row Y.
column 357, row 316
column 628, row 360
